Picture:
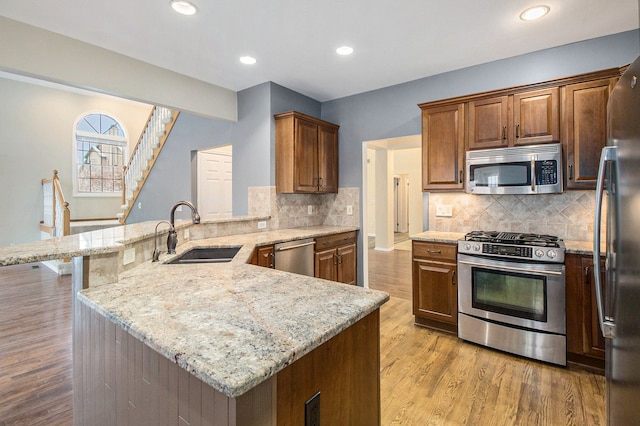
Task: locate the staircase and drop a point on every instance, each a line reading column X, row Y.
column 153, row 138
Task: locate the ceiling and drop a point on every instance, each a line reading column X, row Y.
column 294, row 41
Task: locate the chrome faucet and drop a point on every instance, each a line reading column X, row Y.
column 156, row 252
column 172, row 239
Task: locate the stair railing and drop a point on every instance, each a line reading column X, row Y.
column 56, row 214
column 144, row 154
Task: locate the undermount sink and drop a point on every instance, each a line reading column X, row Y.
column 206, row 255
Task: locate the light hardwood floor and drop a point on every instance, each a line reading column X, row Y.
column 427, row 377
column 433, row 378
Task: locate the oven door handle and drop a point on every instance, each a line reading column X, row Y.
column 511, row 268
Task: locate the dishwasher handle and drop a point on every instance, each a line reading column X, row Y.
column 295, row 246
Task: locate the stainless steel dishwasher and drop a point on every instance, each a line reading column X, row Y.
column 295, row 256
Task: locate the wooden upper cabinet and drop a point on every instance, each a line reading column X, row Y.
column 305, row 148
column 443, row 148
column 306, row 154
column 584, row 130
column 536, row 116
column 328, row 159
column 525, row 118
column 488, row 123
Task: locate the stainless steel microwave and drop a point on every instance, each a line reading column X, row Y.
column 533, row 169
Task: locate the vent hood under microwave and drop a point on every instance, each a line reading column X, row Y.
column 533, row 169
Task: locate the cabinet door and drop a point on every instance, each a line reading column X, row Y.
column 327, row 159
column 536, row 116
column 443, row 148
column 347, row 264
column 265, row 256
column 584, row 123
column 487, row 126
column 593, row 340
column 306, row 156
column 325, row 264
column 434, row 292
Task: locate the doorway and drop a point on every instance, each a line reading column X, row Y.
column 214, row 182
column 388, row 207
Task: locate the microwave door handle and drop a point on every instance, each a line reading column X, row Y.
column 533, row 174
column 609, row 153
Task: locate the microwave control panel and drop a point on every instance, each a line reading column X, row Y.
column 546, row 172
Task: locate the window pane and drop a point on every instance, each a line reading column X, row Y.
column 99, row 158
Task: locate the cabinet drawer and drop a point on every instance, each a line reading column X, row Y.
column 335, row 240
column 436, row 251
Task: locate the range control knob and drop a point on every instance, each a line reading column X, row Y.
column 552, row 254
column 467, row 246
column 539, row 253
column 476, row 247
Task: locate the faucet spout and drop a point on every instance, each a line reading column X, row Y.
column 172, row 239
column 156, row 253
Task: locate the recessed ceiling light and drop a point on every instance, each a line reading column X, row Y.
column 534, row 13
column 344, row 50
column 248, row 60
column 184, row 7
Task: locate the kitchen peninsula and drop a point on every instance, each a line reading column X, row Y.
column 228, row 343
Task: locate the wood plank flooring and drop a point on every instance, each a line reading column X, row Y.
column 433, row 378
column 427, row 377
column 35, row 346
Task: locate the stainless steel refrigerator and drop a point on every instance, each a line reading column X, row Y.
column 618, row 191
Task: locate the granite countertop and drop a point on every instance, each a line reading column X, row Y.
column 232, row 325
column 571, row 246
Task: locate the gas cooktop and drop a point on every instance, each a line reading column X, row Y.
column 513, row 245
column 514, row 238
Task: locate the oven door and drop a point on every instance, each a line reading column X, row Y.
column 523, row 294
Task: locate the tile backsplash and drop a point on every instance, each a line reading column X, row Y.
column 568, row 215
column 291, row 210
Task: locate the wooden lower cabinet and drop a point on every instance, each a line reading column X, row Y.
column 585, row 344
column 121, row 380
column 336, row 258
column 435, row 294
column 263, row 256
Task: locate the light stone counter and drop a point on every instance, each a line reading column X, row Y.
column 439, row 237
column 572, row 246
column 232, row 325
column 102, row 241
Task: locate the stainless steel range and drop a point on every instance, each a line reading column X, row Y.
column 511, row 293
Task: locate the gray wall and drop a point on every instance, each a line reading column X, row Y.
column 36, row 137
column 393, row 112
column 253, row 141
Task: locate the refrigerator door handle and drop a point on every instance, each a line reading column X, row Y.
column 609, row 153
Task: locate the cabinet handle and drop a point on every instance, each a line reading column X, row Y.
column 460, row 178
column 570, row 171
column 335, row 259
column 453, row 277
column 587, row 278
column 504, row 133
column 434, row 251
column 340, row 260
column 517, row 131
column 320, row 181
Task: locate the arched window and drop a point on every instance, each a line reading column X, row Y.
column 101, row 150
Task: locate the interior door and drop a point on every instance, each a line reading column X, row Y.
column 214, row 183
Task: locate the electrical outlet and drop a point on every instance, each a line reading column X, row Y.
column 349, row 210
column 139, row 206
column 262, row 224
column 129, row 256
column 444, row 210
column 312, row 411
column 186, row 234
column 309, row 209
